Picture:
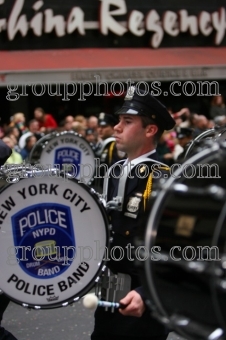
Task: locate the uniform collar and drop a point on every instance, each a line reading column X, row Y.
column 145, row 155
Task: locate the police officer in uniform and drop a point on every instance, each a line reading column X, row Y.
column 106, row 150
column 142, row 120
column 5, row 152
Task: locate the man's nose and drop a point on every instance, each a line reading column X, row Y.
column 118, row 127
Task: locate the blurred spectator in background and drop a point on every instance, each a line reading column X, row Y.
column 68, row 123
column 2, row 133
column 170, row 138
column 15, row 157
column 217, row 107
column 92, row 123
column 18, row 121
column 79, row 128
column 29, row 143
column 82, row 120
column 182, row 117
column 13, row 133
column 33, row 129
column 192, row 119
column 91, row 136
column 184, row 136
column 45, row 120
column 164, row 153
column 13, row 130
column 200, row 124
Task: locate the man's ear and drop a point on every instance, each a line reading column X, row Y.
column 151, row 130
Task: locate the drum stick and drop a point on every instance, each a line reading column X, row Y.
column 91, row 301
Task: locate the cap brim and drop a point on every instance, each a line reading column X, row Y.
column 126, row 110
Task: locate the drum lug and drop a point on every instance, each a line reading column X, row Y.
column 25, row 305
column 185, row 325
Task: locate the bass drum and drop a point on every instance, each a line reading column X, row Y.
column 221, row 135
column 36, row 151
column 66, row 151
column 53, row 236
column 196, row 145
column 217, row 134
column 185, row 242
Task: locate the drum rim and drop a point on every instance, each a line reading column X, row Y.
column 41, row 140
column 103, row 262
column 58, row 134
column 199, row 137
column 153, row 224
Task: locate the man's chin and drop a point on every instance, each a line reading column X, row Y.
column 119, row 147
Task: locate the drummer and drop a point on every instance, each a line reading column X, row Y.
column 5, row 152
column 106, row 149
column 142, row 120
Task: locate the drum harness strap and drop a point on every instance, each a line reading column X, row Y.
column 117, row 202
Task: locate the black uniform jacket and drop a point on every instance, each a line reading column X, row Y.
column 126, row 225
column 5, row 152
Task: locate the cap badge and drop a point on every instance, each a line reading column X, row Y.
column 130, row 93
column 101, row 115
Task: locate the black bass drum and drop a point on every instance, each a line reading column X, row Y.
column 53, row 236
column 221, row 135
column 185, row 248
column 196, row 145
column 67, row 151
column 217, row 134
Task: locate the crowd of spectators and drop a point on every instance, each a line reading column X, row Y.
column 21, row 135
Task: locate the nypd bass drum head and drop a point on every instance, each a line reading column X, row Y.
column 70, row 152
column 53, row 239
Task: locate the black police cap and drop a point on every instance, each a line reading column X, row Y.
column 89, row 132
column 106, row 119
column 140, row 103
column 184, row 132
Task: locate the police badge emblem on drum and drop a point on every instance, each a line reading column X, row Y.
column 45, row 230
column 53, row 237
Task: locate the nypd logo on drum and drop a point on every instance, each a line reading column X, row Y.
column 43, row 221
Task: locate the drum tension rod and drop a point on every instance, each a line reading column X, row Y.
column 195, row 328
